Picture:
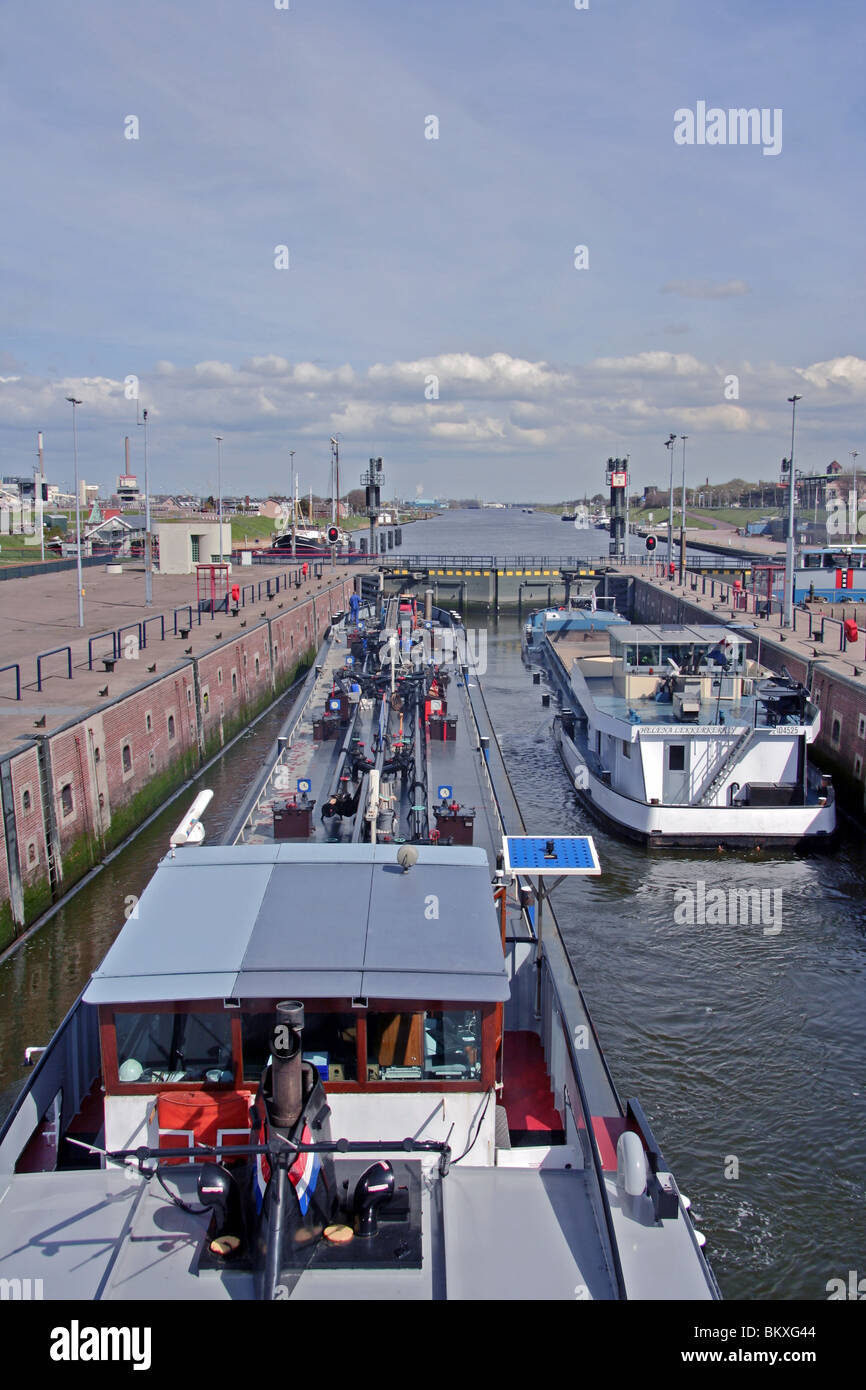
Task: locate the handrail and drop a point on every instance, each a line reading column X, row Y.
column 14, row 666
column 95, row 638
column 43, row 655
column 156, row 618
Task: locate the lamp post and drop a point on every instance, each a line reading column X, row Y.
column 219, row 441
column 38, row 499
column 294, row 504
column 669, row 445
column 148, row 549
column 335, row 488
column 854, row 485
column 683, row 437
column 73, row 402
column 789, row 548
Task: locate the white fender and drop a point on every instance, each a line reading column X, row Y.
column 631, row 1165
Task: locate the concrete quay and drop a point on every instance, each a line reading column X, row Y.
column 87, row 758
column 39, row 614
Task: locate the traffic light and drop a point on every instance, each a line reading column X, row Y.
column 333, row 535
column 650, row 542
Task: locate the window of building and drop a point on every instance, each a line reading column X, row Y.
column 148, row 722
column 151, row 760
column 189, row 694
column 257, row 665
column 836, row 731
column 858, row 766
column 234, row 682
column 291, row 641
column 245, row 661
column 96, row 754
column 31, row 852
column 861, row 726
column 677, row 757
column 219, row 675
column 196, row 548
column 626, row 748
column 126, row 758
column 174, row 1047
column 171, row 728
column 26, row 799
column 205, row 701
column 66, row 800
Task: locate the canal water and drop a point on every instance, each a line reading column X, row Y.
column 745, row 1046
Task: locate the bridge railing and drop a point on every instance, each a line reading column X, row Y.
column 511, row 562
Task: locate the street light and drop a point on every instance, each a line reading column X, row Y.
column 335, row 487
column 73, row 402
column 854, row 485
column 148, row 551
column 669, row 445
column 789, row 548
column 683, row 437
column 219, row 440
column 294, row 505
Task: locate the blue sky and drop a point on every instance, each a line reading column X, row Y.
column 412, row 258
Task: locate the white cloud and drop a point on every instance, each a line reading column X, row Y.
column 847, row 372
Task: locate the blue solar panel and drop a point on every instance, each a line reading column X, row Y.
column 571, row 853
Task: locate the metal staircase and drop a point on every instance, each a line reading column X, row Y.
column 707, row 793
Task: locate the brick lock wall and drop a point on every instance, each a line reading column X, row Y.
column 151, row 750
column 29, row 824
column 842, row 740
column 87, row 756
column 69, row 767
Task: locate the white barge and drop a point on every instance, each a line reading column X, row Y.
column 675, row 736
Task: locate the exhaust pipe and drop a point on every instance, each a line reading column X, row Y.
column 286, row 1062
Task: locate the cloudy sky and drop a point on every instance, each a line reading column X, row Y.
column 432, row 311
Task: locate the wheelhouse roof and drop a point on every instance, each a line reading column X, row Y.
column 309, row 922
column 707, row 635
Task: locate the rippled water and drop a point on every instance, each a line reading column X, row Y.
column 740, row 1046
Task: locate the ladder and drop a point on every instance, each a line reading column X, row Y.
column 48, row 821
column 706, row 795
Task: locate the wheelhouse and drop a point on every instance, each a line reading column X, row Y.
column 403, row 992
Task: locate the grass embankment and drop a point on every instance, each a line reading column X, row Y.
column 653, row 516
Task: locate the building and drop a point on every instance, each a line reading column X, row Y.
column 185, row 544
column 128, row 493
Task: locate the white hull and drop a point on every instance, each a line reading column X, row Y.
column 695, row 825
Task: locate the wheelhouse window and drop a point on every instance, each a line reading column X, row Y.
column 442, row 1046
column 172, row 1047
column 329, row 1041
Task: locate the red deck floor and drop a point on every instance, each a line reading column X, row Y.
column 526, row 1095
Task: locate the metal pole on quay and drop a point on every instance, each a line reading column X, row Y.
column 669, row 445
column 683, row 437
column 73, row 402
column 788, row 620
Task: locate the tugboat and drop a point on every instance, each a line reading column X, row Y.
column 674, row 736
column 223, row 1114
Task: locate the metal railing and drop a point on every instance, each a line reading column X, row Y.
column 511, row 562
column 44, row 655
